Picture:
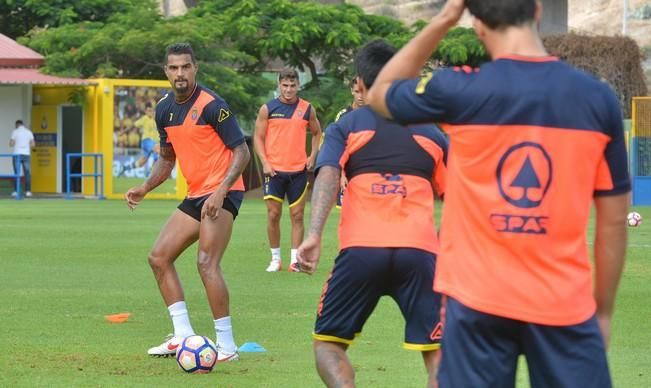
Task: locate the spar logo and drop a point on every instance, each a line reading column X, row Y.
column 524, row 175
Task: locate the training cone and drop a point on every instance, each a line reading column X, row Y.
column 252, row 347
column 117, row 318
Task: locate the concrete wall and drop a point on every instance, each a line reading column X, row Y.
column 554, row 19
column 15, row 104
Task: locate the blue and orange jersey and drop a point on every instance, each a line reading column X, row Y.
column 286, row 134
column 203, row 132
column 393, row 175
column 532, row 141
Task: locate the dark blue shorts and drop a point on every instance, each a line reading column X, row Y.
column 481, row 350
column 193, row 206
column 293, row 185
column 361, row 276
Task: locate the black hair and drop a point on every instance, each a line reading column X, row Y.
column 288, row 74
column 180, row 49
column 500, row 14
column 19, row 122
column 371, row 59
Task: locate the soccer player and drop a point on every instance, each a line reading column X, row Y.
column 279, row 141
column 533, row 144
column 197, row 127
column 387, row 236
column 150, row 142
column 358, row 101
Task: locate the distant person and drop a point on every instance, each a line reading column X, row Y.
column 280, row 142
column 534, row 143
column 197, row 127
column 22, row 140
column 149, row 143
column 358, row 101
column 387, row 236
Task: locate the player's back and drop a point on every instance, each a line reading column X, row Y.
column 531, row 143
column 391, row 171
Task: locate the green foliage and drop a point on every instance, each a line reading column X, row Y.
column 18, row 17
column 461, row 47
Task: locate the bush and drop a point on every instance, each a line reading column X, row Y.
column 615, row 60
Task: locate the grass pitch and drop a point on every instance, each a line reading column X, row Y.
column 66, row 264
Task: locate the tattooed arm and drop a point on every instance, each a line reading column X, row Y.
column 241, row 157
column 323, row 197
column 159, row 174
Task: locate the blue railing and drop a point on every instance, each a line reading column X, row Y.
column 98, row 175
column 15, row 176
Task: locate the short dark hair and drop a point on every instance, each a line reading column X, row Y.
column 180, row 49
column 19, row 122
column 353, row 82
column 288, row 74
column 500, row 14
column 371, row 59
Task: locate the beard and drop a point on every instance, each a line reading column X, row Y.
column 181, row 89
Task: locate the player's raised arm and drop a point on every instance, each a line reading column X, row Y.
column 409, row 61
column 259, row 139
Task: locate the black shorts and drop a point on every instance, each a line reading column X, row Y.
column 284, row 184
column 361, row 276
column 232, row 203
column 482, row 350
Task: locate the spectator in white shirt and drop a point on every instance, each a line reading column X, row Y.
column 22, row 140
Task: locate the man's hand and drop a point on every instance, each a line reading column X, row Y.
column 134, row 196
column 452, row 11
column 308, row 254
column 343, row 181
column 604, row 326
column 311, row 161
column 212, row 206
column 267, row 170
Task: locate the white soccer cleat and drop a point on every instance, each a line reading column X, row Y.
column 28, row 194
column 14, row 194
column 167, row 348
column 274, row 266
column 294, row 267
column 227, row 357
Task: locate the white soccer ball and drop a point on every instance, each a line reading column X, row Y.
column 196, row 354
column 634, row 219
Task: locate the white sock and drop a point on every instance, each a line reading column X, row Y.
column 275, row 254
column 180, row 319
column 224, row 332
column 293, row 255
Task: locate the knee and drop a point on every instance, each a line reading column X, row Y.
column 157, row 261
column 274, row 216
column 206, row 264
column 297, row 218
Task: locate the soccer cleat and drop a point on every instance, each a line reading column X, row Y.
column 294, row 267
column 167, row 348
column 28, row 194
column 14, row 194
column 275, row 266
column 227, row 357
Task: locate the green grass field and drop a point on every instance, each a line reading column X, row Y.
column 66, row 264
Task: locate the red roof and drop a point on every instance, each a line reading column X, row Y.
column 32, row 76
column 14, row 54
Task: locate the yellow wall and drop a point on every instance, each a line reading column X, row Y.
column 98, row 128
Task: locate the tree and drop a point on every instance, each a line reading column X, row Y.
column 132, row 45
column 18, row 17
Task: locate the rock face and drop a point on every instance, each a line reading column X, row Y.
column 592, row 17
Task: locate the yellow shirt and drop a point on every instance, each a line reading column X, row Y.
column 148, row 125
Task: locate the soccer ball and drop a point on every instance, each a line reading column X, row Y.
column 196, row 354
column 634, row 219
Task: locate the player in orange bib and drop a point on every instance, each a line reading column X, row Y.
column 280, row 141
column 387, row 235
column 534, row 143
column 198, row 129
